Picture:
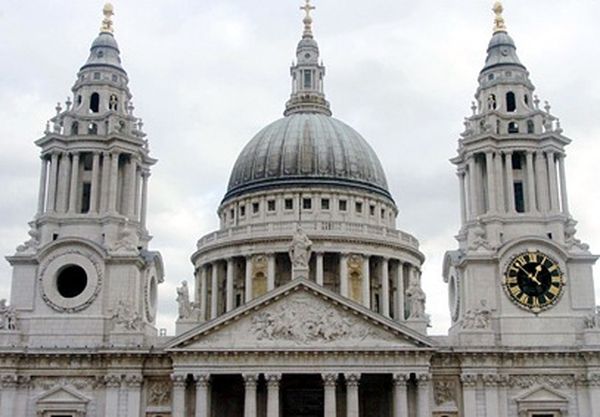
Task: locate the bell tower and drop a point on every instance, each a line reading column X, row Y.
column 86, row 276
column 519, row 274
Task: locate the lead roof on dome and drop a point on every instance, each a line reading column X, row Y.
column 307, row 149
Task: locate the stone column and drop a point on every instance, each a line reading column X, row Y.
column 74, row 184
column 319, row 266
column 270, row 271
column 563, row 184
column 113, row 182
column 229, row 285
column 8, row 395
column 385, row 287
column 469, row 385
column 366, row 281
column 138, row 190
column 129, row 196
column 400, row 395
column 554, row 193
column 64, row 172
column 144, row 209
column 42, row 189
column 178, row 397
column 250, row 395
column 344, row 274
column 51, row 206
column 352, row 394
column 105, row 182
column 491, row 182
column 473, row 206
column 542, row 182
column 214, row 290
column 329, row 382
column 399, row 313
column 248, row 280
column 113, row 384
column 463, row 196
column 273, row 381
column 94, row 194
column 134, row 394
column 202, row 395
column 510, row 182
column 490, row 383
column 530, row 183
column 501, row 201
column 203, row 292
column 424, row 395
column 594, row 393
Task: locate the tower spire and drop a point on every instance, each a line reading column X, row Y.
column 499, row 25
column 107, row 23
column 307, row 73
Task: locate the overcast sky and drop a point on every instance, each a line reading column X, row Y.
column 207, row 75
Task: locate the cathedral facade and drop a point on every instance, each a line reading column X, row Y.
column 307, row 301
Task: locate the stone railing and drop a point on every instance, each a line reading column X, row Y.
column 312, row 228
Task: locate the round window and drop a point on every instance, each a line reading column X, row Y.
column 71, row 281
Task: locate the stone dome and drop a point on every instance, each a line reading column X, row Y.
column 307, row 150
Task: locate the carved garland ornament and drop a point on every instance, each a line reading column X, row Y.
column 82, row 306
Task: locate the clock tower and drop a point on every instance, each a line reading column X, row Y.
column 520, row 276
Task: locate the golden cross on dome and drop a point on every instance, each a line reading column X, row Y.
column 107, row 24
column 499, row 25
column 307, row 19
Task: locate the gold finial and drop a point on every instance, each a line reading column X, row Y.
column 308, row 18
column 107, row 24
column 499, row 25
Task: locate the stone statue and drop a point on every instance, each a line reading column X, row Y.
column 34, row 239
column 8, row 316
column 416, row 299
column 126, row 240
column 183, row 300
column 125, row 318
column 300, row 249
column 477, row 318
column 592, row 321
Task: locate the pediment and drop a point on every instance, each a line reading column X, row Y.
column 541, row 394
column 300, row 315
column 62, row 395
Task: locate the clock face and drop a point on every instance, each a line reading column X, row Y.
column 533, row 281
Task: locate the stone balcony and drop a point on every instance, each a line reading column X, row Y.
column 314, row 229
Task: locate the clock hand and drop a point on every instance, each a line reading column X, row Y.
column 537, row 271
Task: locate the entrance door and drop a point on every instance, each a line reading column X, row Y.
column 302, row 396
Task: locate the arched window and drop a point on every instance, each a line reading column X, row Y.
column 526, row 100
column 530, row 126
column 75, row 128
column 492, row 102
column 95, row 103
column 511, row 103
column 513, row 127
column 92, row 129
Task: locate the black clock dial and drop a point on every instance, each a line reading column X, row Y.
column 533, row 280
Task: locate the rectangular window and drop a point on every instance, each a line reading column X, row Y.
column 288, row 204
column 324, row 204
column 383, row 213
column 343, row 205
column 231, row 214
column 517, row 161
column 85, row 197
column 271, row 205
column 255, row 207
column 96, row 76
column 519, row 197
column 307, row 79
column 543, row 415
column 242, row 211
column 87, row 161
column 358, row 207
column 307, row 203
column 372, row 209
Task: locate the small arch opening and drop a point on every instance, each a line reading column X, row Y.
column 530, row 126
column 513, row 128
column 75, row 128
column 511, row 102
column 113, row 103
column 92, row 129
column 95, row 103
